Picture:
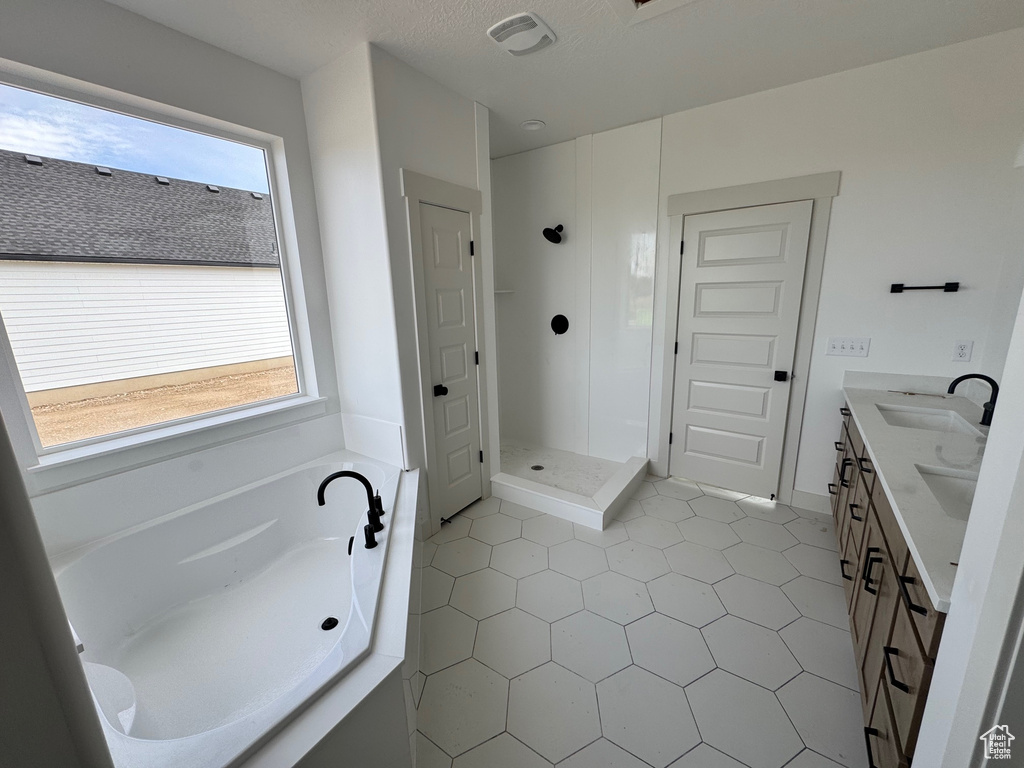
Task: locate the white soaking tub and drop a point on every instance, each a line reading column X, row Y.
column 202, row 630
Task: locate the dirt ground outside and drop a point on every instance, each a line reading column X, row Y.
column 65, row 422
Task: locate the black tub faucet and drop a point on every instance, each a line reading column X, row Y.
column 374, row 507
column 990, row 406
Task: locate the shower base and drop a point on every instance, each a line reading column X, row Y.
column 582, row 489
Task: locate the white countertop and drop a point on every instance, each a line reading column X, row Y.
column 933, row 537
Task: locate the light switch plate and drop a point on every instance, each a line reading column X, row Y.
column 962, row 351
column 849, row 346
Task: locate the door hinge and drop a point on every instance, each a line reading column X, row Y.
column 472, row 249
column 682, row 245
column 481, row 457
column 676, row 352
column 477, row 355
column 670, row 438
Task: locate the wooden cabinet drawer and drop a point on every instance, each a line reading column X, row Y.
column 880, row 595
column 848, row 565
column 927, row 621
column 846, row 414
column 881, row 736
column 908, row 673
column 891, row 530
column 856, row 442
column 833, row 492
column 857, row 508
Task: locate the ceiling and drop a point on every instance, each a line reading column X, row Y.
column 602, row 72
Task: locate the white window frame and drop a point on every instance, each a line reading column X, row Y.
column 54, row 467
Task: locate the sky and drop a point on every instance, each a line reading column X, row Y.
column 42, row 125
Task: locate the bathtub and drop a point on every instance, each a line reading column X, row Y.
column 203, row 630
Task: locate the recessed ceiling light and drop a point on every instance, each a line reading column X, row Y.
column 532, row 125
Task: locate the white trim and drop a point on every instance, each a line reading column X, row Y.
column 812, row 502
column 50, row 469
column 820, row 188
column 416, row 189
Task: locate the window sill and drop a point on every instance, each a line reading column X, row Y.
column 72, row 466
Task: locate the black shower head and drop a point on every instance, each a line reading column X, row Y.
column 553, row 235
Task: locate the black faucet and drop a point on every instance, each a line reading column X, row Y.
column 374, row 506
column 986, row 417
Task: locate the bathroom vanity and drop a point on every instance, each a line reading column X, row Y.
column 906, row 468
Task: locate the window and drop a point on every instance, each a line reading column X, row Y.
column 141, row 278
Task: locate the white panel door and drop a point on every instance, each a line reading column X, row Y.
column 451, row 320
column 739, row 304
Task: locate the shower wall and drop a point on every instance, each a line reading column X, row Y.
column 585, row 391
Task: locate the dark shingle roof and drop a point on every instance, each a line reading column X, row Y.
column 64, row 211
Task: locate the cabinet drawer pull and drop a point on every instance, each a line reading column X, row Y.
column 854, row 514
column 842, row 473
column 839, row 446
column 888, row 651
column 868, row 567
column 844, row 411
column 842, row 569
column 833, row 489
column 866, row 470
column 911, row 605
column 868, row 733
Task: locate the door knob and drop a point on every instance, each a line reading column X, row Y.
column 440, row 390
column 781, row 376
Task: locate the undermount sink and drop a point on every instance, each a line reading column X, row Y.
column 934, row 419
column 953, row 489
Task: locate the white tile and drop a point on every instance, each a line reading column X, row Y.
column 447, row 637
column 646, row 490
column 429, row 755
column 462, row 556
column 602, row 754
column 654, row 532
column 458, row 528
column 818, row 600
column 743, row 720
column 823, row 650
column 518, row 510
column 423, row 553
column 686, row 599
column 589, row 645
column 819, row 532
column 669, row 649
column 765, row 509
column 761, row 564
column 705, row 756
column 629, row 511
column 764, row 534
column 708, row 533
column 667, row 508
column 463, row 706
column 613, row 534
column 513, row 642
column 809, row 759
column 697, row 562
column 721, row 493
column 416, row 683
column 501, row 752
column 756, row 601
column 547, row 530
column 647, row 716
column 519, row 558
column 436, row 589
column 483, row 593
column 714, row 508
column 577, row 559
column 821, row 564
column 549, row 595
column 553, row 711
column 750, row 651
column 496, row 529
column 617, row 597
column 636, row 560
column 482, row 508
column 828, row 717
column 675, row 488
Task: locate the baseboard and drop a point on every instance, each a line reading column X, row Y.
column 814, row 502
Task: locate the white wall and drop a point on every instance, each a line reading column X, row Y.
column 925, row 144
column 72, row 324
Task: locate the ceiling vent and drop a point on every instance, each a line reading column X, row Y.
column 522, row 34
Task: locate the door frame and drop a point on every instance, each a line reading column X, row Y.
column 819, row 188
column 418, row 188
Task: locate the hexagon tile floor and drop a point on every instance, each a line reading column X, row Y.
column 702, row 629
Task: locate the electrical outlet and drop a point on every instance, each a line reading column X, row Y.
column 962, row 351
column 848, row 346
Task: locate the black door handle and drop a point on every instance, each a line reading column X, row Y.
column 440, row 390
column 781, row 376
